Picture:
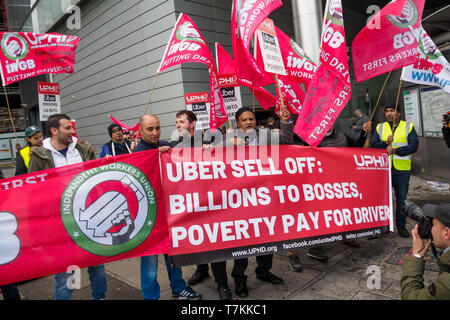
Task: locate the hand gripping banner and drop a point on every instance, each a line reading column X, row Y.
column 25, row 55
column 235, row 203
column 81, row 215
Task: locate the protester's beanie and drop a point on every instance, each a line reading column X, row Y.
column 111, row 128
column 241, row 111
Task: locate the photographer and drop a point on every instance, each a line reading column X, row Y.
column 414, row 265
column 446, row 128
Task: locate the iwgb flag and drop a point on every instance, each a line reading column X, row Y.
column 388, row 42
column 226, row 67
column 430, row 68
column 247, row 15
column 300, row 68
column 91, row 213
column 330, row 88
column 186, row 44
column 25, row 55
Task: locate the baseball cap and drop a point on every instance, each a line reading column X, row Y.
column 440, row 212
column 31, row 130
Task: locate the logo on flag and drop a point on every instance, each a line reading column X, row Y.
column 14, row 47
column 408, row 17
column 187, row 31
column 109, row 210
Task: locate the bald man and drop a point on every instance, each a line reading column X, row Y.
column 150, row 130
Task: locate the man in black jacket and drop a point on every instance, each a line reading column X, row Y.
column 446, row 128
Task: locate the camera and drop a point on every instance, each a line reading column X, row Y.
column 425, row 223
column 447, row 119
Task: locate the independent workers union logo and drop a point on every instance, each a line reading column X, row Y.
column 14, row 46
column 110, row 209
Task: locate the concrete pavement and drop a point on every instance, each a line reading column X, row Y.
column 348, row 274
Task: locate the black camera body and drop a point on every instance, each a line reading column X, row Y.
column 425, row 223
column 447, row 119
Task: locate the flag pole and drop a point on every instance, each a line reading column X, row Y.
column 367, row 142
column 279, row 90
column 10, row 115
column 398, row 94
column 151, row 93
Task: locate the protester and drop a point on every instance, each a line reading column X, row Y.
column 34, row 138
column 400, row 140
column 333, row 138
column 150, row 130
column 357, row 134
column 117, row 145
column 127, row 136
column 412, row 284
column 446, row 128
column 185, row 124
column 62, row 149
column 247, row 134
column 9, row 291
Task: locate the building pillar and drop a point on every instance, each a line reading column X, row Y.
column 308, row 18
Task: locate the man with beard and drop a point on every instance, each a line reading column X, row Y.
column 400, row 140
column 63, row 149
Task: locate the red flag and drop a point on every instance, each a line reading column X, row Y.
column 388, row 42
column 186, row 44
column 293, row 95
column 247, row 15
column 25, row 55
column 330, row 89
column 299, row 67
column 226, row 66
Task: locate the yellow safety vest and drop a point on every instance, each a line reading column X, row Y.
column 400, row 140
column 25, row 153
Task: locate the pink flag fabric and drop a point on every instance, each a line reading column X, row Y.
column 186, row 44
column 330, row 88
column 293, row 95
column 388, row 42
column 247, row 15
column 25, row 55
column 226, row 66
column 299, row 67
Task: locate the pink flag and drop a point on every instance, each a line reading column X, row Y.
column 25, row 55
column 226, row 66
column 299, row 67
column 293, row 95
column 330, row 88
column 388, row 42
column 186, row 44
column 247, row 15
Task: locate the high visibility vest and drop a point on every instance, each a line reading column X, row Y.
column 25, row 153
column 400, row 140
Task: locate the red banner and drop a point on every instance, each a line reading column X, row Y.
column 84, row 215
column 330, row 89
column 25, row 55
column 231, row 203
column 388, row 42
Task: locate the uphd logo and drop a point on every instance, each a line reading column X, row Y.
column 197, row 97
column 364, row 162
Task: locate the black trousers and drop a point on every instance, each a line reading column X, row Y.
column 10, row 292
column 219, row 269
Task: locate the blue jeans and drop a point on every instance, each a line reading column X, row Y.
column 400, row 183
column 149, row 271
column 96, row 276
